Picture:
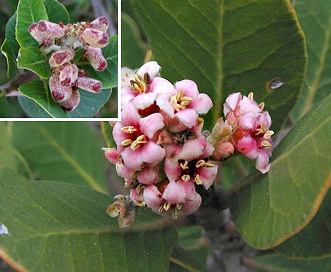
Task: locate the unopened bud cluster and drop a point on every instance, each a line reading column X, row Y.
column 62, row 41
column 161, row 151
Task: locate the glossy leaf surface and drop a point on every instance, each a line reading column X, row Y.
column 234, row 46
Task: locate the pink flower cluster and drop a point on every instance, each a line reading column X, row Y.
column 62, row 41
column 161, row 152
column 246, row 129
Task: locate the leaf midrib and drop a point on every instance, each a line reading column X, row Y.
column 66, row 156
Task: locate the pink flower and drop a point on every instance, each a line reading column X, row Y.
column 187, row 102
column 148, row 92
column 250, row 125
column 175, row 197
column 133, row 135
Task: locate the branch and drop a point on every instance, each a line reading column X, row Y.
column 13, row 85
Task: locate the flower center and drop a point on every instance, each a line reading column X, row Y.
column 179, row 101
column 135, row 138
column 138, row 84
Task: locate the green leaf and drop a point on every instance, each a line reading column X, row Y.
column 90, row 103
column 10, row 47
column 229, row 46
column 28, row 12
column 314, row 241
column 66, row 151
column 133, row 50
column 315, row 19
column 7, row 153
column 277, row 263
column 31, row 108
column 31, row 58
column 37, row 91
column 274, row 207
column 56, row 12
column 182, row 261
column 69, row 230
column 109, row 76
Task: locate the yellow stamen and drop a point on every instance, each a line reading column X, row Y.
column 268, row 134
column 138, row 84
column 136, row 143
column 126, row 142
column 129, row 129
column 179, row 101
column 266, row 144
column 198, row 180
column 186, row 178
column 200, row 163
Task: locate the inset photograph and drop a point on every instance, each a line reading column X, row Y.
column 59, row 59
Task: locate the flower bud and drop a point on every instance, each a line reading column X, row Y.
column 94, row 37
column 89, row 84
column 96, row 59
column 51, row 29
column 68, row 74
column 61, row 57
column 100, row 23
column 59, row 92
column 72, row 102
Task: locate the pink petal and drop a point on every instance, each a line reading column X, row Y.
column 192, row 149
column 192, row 204
column 231, row 102
column 248, row 121
column 152, row 197
column 144, row 100
column 207, row 175
column 152, row 152
column 262, row 162
column 149, row 175
column 151, row 68
column 174, row 193
column 150, row 124
column 248, row 147
column 188, row 87
column 188, row 117
column 130, row 115
column 172, row 168
column 202, row 104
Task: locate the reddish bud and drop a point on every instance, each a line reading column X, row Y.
column 59, row 92
column 89, row 84
column 61, row 57
column 68, row 74
column 96, row 59
column 51, row 29
column 72, row 102
column 100, row 23
column 94, row 37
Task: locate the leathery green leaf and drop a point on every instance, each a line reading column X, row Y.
column 274, row 207
column 28, row 12
column 314, row 241
column 234, row 46
column 68, row 229
column 315, row 19
column 66, row 151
